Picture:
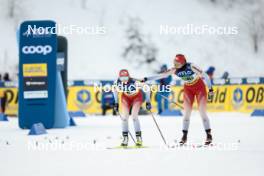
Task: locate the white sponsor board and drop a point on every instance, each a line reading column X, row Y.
column 35, row 94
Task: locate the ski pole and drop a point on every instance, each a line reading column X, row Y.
column 158, row 128
column 128, row 130
column 171, row 101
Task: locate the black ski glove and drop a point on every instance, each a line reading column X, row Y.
column 116, row 107
column 148, row 106
column 211, row 94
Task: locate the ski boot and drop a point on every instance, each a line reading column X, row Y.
column 139, row 139
column 184, row 137
column 209, row 137
column 125, row 139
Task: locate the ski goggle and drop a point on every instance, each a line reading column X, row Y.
column 124, row 78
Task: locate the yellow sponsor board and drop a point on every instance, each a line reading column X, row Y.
column 11, row 101
column 228, row 98
column 219, row 103
column 246, row 98
column 35, row 70
column 221, row 99
column 235, row 98
column 87, row 99
column 84, row 98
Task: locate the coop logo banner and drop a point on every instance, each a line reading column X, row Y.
column 39, row 49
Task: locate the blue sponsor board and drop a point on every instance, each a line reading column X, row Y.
column 37, row 73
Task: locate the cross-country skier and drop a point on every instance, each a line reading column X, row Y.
column 131, row 97
column 194, row 87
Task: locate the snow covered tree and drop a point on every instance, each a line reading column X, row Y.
column 229, row 4
column 256, row 25
column 15, row 10
column 83, row 4
column 139, row 50
column 253, row 11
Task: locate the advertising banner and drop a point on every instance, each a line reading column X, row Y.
column 246, row 98
column 228, row 98
column 11, row 101
column 37, row 73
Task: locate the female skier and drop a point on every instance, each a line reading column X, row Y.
column 194, row 87
column 131, row 97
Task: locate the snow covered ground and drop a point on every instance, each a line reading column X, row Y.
column 82, row 150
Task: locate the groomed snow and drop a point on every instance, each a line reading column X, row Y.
column 239, row 148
